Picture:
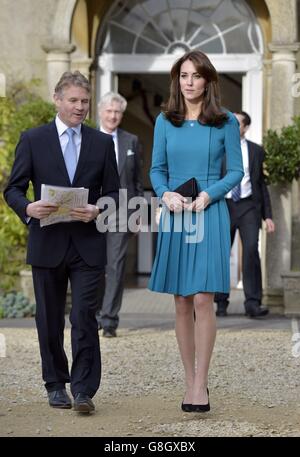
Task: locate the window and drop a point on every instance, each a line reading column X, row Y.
column 171, row 26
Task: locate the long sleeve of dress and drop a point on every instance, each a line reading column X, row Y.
column 159, row 168
column 234, row 162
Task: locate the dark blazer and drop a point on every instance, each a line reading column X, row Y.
column 260, row 193
column 129, row 163
column 39, row 159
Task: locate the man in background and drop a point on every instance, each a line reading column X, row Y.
column 111, row 109
column 248, row 204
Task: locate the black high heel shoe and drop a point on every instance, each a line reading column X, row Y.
column 187, row 407
column 201, row 408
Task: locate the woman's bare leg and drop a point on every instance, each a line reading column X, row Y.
column 184, row 329
column 205, row 335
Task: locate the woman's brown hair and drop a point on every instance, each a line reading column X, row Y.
column 211, row 112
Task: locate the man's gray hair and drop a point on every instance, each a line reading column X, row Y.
column 69, row 79
column 111, row 97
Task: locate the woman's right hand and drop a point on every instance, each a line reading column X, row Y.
column 174, row 201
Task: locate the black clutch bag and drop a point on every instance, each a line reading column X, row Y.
column 188, row 189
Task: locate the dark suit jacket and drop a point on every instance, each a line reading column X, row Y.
column 260, row 193
column 39, row 159
column 129, row 163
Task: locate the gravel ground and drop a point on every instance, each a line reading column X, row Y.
column 254, row 388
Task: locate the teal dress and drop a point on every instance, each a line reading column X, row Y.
column 193, row 249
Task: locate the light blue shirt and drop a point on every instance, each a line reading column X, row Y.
column 63, row 136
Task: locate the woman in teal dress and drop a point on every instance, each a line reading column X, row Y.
column 192, row 135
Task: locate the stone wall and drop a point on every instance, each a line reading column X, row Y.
column 284, row 49
column 25, row 25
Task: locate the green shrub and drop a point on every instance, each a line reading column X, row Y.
column 13, row 233
column 16, row 305
column 282, row 161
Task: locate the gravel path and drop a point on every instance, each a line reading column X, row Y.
column 254, row 386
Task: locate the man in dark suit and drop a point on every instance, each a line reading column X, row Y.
column 70, row 154
column 111, row 108
column 248, row 204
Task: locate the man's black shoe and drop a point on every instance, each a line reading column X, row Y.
column 221, row 310
column 83, row 404
column 109, row 332
column 59, row 399
column 256, row 311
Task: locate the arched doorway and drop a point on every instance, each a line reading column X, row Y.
column 139, row 40
column 146, row 36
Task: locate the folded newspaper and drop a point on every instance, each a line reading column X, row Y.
column 66, row 198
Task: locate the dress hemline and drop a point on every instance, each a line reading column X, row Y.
column 173, row 292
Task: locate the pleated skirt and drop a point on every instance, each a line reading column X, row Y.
column 193, row 252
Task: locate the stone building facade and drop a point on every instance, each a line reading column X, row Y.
column 129, row 45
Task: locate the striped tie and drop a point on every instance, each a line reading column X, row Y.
column 236, row 192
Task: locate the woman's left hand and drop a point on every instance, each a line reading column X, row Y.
column 201, row 202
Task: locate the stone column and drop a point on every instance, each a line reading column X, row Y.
column 267, row 94
column 283, row 69
column 94, row 83
column 58, row 61
column 81, row 64
column 278, row 258
column 265, row 126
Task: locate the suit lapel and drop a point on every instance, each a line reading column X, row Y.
column 251, row 156
column 122, row 150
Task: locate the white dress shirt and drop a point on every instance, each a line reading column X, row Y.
column 63, row 136
column 114, row 134
column 246, row 188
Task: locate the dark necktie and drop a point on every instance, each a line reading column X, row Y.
column 236, row 192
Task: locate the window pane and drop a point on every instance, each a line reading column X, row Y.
column 153, row 34
column 120, row 42
column 206, row 35
column 166, row 25
column 213, row 47
column 160, row 25
column 235, row 36
column 155, row 7
column 179, row 3
column 236, row 41
column 179, row 19
column 143, row 47
column 135, row 20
